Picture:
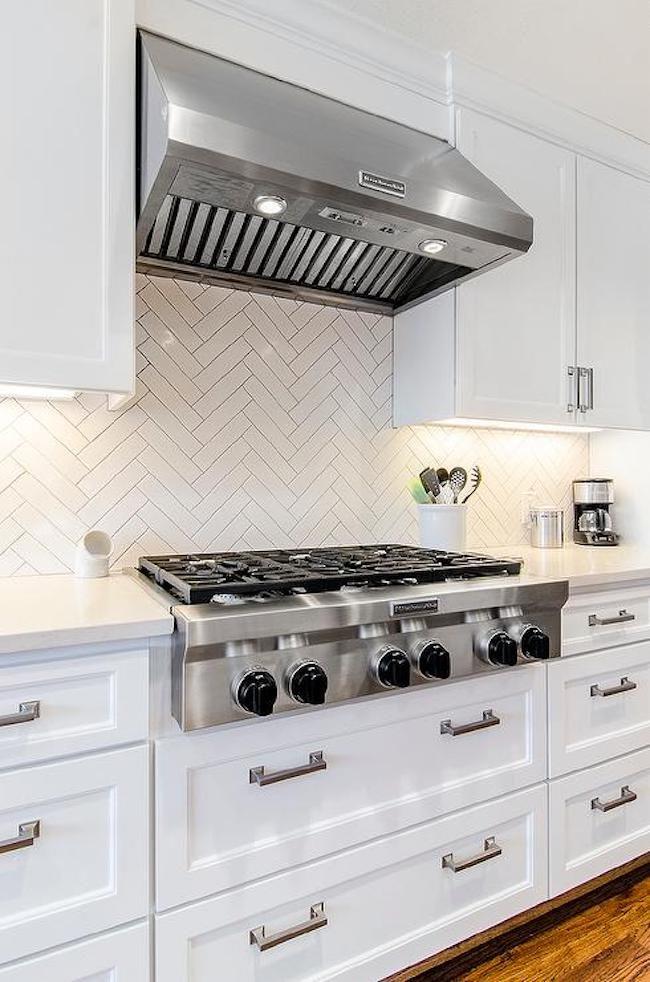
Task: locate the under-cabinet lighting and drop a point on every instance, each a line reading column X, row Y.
column 505, row 424
column 35, row 392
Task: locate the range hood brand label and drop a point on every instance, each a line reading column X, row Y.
column 428, row 605
column 384, row 184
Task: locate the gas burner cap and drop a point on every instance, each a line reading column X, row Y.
column 227, row 599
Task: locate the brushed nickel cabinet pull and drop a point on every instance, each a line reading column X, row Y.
column 256, row 775
column 622, row 618
column 28, row 832
column 572, row 373
column 317, row 919
column 489, row 719
column 490, row 851
column 626, row 797
column 27, row 711
column 625, row 686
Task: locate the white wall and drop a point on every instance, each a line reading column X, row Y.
column 625, row 457
column 592, row 55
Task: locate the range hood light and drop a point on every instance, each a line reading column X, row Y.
column 269, row 205
column 432, row 246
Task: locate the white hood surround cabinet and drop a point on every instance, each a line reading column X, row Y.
column 257, row 423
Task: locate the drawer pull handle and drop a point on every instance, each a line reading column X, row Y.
column 27, row 711
column 626, row 798
column 489, row 719
column 625, row 685
column 490, row 851
column 28, row 832
column 622, row 618
column 316, row 762
column 317, row 919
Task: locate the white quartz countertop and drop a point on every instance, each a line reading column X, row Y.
column 583, row 566
column 52, row 611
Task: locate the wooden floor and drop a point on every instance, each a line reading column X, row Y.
column 609, row 942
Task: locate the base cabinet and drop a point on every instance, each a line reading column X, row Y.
column 370, row 911
column 389, row 764
column 121, row 956
column 598, row 819
column 74, row 840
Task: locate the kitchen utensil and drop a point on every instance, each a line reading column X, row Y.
column 417, row 491
column 446, row 495
column 546, row 527
column 430, row 482
column 457, row 481
column 475, row 478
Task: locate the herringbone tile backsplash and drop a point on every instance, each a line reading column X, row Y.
column 258, row 422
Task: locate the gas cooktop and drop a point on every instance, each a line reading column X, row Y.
column 203, row 577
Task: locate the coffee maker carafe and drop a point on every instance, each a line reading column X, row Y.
column 592, row 520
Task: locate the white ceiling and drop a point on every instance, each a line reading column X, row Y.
column 593, row 55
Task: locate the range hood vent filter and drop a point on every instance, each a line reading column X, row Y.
column 287, row 258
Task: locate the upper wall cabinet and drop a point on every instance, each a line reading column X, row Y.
column 506, row 355
column 67, row 168
column 614, row 295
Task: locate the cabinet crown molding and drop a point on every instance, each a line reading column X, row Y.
column 417, row 85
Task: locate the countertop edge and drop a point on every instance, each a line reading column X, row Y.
column 57, row 638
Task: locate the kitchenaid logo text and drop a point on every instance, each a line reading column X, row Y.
column 385, row 184
column 416, row 607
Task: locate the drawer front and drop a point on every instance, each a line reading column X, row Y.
column 386, row 904
column 121, row 956
column 348, row 774
column 598, row 819
column 599, row 706
column 611, row 617
column 73, row 849
column 72, row 705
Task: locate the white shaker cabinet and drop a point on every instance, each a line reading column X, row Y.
column 67, row 73
column 613, row 300
column 502, row 349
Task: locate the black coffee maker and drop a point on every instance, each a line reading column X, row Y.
column 592, row 520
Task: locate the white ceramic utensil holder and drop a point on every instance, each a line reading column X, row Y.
column 443, row 526
column 93, row 553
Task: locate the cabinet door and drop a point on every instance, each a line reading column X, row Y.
column 67, row 170
column 74, row 846
column 614, row 294
column 121, row 956
column 516, row 323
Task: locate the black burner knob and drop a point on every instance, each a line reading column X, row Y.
column 535, row 644
column 308, row 684
column 393, row 668
column 502, row 649
column 433, row 660
column 257, row 692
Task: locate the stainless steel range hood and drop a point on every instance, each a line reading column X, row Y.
column 374, row 215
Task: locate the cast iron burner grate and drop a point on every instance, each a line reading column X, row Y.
column 196, row 578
